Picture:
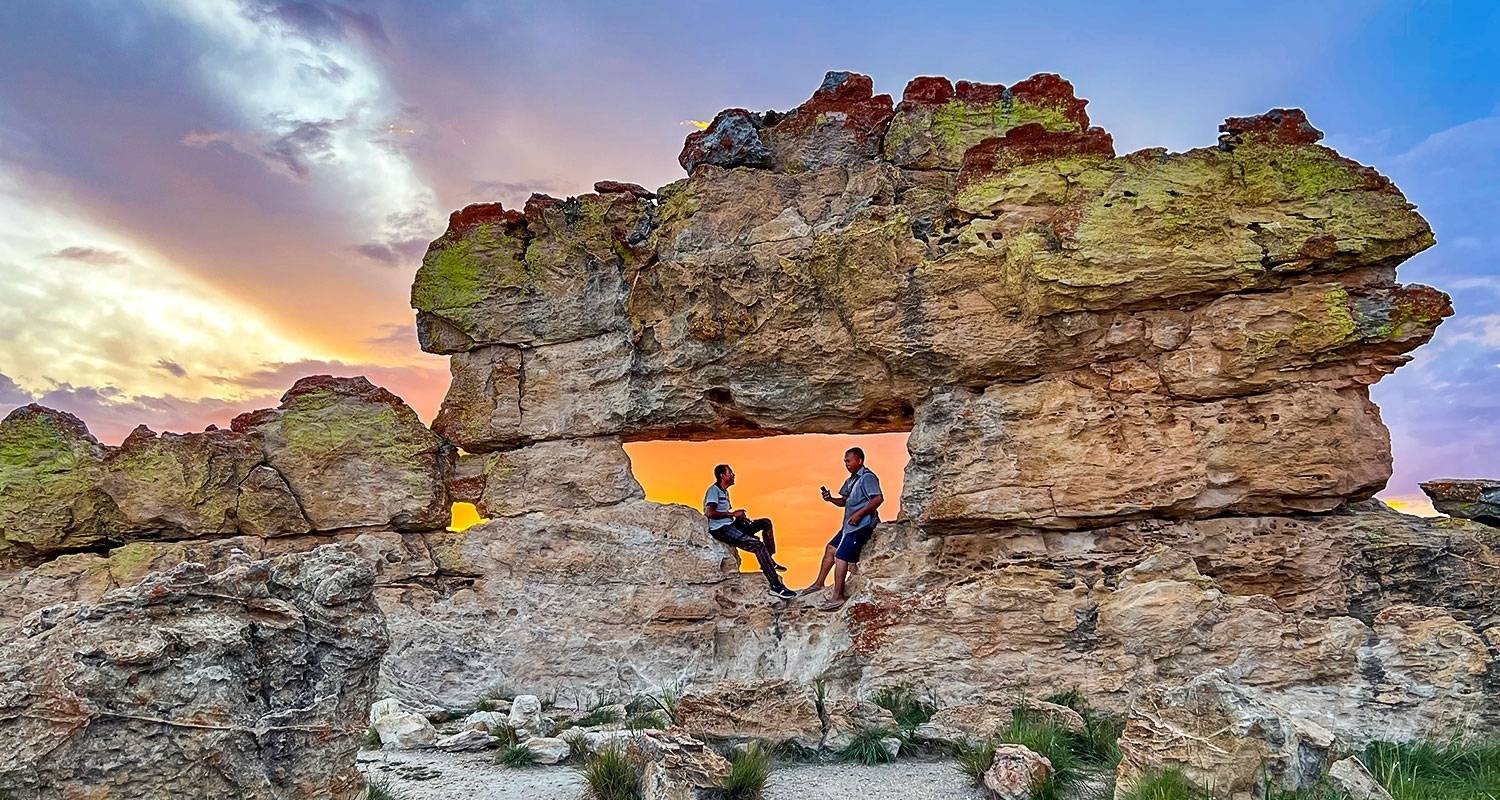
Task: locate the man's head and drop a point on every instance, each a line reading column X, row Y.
column 854, row 458
column 723, row 475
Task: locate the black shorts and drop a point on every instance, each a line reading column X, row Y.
column 848, row 546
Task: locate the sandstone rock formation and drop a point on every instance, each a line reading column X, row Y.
column 1136, row 387
column 248, row 682
column 1468, row 499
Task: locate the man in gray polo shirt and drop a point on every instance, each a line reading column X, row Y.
column 859, row 497
column 734, row 527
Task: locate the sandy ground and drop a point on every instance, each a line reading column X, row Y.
column 431, row 775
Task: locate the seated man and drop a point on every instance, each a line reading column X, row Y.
column 859, row 497
column 734, row 527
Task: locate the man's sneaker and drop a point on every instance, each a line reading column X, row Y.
column 783, row 593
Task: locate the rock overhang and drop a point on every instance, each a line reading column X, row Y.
column 841, row 266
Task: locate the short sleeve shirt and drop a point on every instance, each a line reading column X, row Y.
column 717, row 498
column 857, row 491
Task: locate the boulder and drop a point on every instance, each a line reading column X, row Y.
column 675, row 766
column 526, row 715
column 354, row 454
column 180, row 485
column 465, row 741
column 548, row 750
column 1478, row 500
column 487, row 721
column 1015, row 773
column 404, row 730
column 384, row 708
column 50, row 500
column 241, row 682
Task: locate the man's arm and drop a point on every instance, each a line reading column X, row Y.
column 866, row 509
column 838, row 501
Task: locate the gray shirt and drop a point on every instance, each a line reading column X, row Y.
column 717, row 498
column 857, row 492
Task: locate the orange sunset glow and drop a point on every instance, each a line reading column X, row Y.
column 776, row 477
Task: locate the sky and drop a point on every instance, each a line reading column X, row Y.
column 202, row 200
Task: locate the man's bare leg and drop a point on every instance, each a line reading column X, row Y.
column 840, row 573
column 817, row 585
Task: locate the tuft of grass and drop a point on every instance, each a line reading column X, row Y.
column 486, row 705
column 1453, row 770
column 603, row 715
column 974, row 759
column 904, row 704
column 577, row 749
column 865, row 748
column 651, row 720
column 1050, row 740
column 608, row 775
column 516, row 756
column 748, row 771
column 380, row 789
column 1099, row 743
column 1072, row 698
column 372, row 742
column 1165, row 784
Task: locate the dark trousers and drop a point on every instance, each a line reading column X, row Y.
column 741, row 533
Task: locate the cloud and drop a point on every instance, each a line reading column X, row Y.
column 319, row 20
column 90, row 255
column 292, row 153
column 171, row 367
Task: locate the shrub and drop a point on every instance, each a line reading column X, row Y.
column 380, row 789
column 1045, row 738
column 608, row 775
column 866, row 748
column 748, row 771
column 974, row 759
column 903, row 703
column 1454, row 770
column 516, row 756
column 1166, row 784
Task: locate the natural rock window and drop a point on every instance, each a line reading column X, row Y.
column 777, row 477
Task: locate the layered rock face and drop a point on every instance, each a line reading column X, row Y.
column 1141, row 439
column 250, row 682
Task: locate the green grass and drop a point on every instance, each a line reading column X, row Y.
column 1050, row 740
column 372, row 742
column 904, row 704
column 651, row 720
column 380, row 789
column 516, row 756
column 607, row 775
column 1098, row 745
column 748, row 771
column 865, row 747
column 974, row 759
column 1165, row 784
column 1452, row 770
column 603, row 715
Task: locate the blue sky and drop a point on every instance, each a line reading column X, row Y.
column 202, row 199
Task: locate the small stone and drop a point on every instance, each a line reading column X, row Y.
column 466, row 741
column 1015, row 771
column 891, row 745
column 548, row 749
column 1354, row 781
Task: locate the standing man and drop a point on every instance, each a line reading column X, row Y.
column 859, row 497
column 734, row 527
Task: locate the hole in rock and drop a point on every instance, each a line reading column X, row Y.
column 465, row 515
column 776, row 477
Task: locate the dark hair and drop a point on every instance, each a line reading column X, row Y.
column 720, row 470
column 857, row 451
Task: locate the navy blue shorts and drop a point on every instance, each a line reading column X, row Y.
column 848, row 546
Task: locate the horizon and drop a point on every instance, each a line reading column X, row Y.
column 206, row 201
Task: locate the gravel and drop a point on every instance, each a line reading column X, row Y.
column 434, row 775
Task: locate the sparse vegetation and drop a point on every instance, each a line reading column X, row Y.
column 651, row 720
column 608, row 775
column 603, row 715
column 516, row 756
column 1098, row 745
column 974, row 759
column 1050, row 740
column 865, row 747
column 904, row 704
column 749, row 769
column 372, row 742
column 1165, row 784
column 380, row 789
column 1454, row 770
column 505, row 735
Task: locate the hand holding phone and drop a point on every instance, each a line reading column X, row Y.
column 824, row 490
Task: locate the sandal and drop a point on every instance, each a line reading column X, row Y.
column 832, row 605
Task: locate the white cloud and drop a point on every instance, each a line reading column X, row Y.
column 316, row 108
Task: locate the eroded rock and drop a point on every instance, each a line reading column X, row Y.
column 1478, row 500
